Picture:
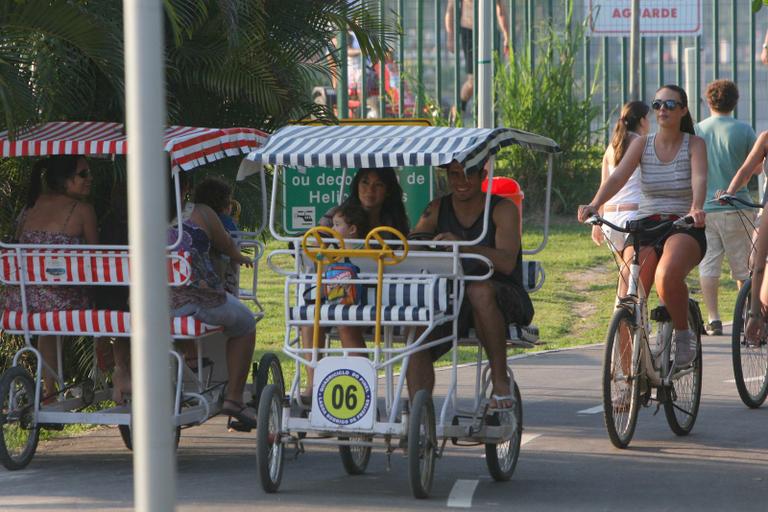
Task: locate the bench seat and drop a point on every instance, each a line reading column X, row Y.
column 93, row 322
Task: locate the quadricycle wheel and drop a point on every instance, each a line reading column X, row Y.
column 355, row 458
column 501, row 458
column 750, row 363
column 422, row 444
column 269, row 448
column 18, row 431
column 620, row 379
column 681, row 403
column 268, row 371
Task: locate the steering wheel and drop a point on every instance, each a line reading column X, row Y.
column 320, row 242
column 420, row 236
column 391, row 258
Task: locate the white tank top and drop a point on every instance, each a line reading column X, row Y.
column 631, row 192
column 666, row 186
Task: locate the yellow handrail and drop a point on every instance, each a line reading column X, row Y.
column 320, row 252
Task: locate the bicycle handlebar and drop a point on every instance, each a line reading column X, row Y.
column 730, row 199
column 683, row 222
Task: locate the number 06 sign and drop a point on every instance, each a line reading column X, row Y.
column 343, row 394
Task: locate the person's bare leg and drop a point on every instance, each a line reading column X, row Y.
column 121, row 374
column 239, row 357
column 352, row 337
column 420, row 373
column 489, row 325
column 467, row 90
column 709, row 287
column 47, row 347
column 681, row 254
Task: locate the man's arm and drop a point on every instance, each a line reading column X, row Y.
column 504, row 256
column 501, row 15
column 427, row 223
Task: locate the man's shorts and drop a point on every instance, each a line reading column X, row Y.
column 657, row 238
column 513, row 302
column 465, row 35
column 728, row 234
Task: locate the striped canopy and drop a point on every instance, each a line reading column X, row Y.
column 391, row 146
column 188, row 147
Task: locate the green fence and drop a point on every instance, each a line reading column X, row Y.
column 729, row 47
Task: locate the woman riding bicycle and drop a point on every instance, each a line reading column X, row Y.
column 674, row 181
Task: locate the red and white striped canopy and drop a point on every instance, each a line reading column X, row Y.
column 189, row 147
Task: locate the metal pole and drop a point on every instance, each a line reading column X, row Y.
column 154, row 468
column 438, row 64
column 697, row 82
column 401, row 59
column 529, row 31
column 475, row 50
column 512, row 12
column 606, row 92
column 624, row 70
column 457, row 72
column 734, row 47
column 419, row 58
column 484, row 71
column 752, row 101
column 634, row 51
column 642, row 70
column 342, row 98
column 690, row 74
column 679, row 59
column 715, row 39
column 586, row 73
column 382, row 68
column 660, row 48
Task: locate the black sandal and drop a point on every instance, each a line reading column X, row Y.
column 239, row 412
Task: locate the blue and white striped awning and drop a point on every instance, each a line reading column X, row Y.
column 389, row 146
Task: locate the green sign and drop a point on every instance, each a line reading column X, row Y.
column 309, row 193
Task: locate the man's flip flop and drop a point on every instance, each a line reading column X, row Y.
column 502, row 398
column 239, row 411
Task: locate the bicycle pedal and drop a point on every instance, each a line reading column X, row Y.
column 52, row 426
column 660, row 314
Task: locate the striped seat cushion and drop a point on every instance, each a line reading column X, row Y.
column 397, row 294
column 93, row 322
column 360, row 313
column 75, row 266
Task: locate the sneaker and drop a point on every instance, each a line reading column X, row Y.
column 685, row 347
column 715, row 328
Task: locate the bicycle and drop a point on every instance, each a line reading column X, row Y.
column 750, row 362
column 635, row 374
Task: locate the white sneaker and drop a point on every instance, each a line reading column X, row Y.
column 685, row 347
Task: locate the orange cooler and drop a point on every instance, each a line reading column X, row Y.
column 509, row 189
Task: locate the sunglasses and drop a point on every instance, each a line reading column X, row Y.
column 85, row 173
column 668, row 104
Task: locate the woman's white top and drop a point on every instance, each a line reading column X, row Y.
column 631, row 192
column 666, row 186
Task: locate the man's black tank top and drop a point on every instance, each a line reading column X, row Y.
column 447, row 222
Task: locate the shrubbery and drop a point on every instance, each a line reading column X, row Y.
column 543, row 100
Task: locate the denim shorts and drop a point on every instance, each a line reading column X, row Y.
column 234, row 316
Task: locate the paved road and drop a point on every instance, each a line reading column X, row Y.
column 567, row 461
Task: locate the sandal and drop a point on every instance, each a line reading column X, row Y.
column 502, row 398
column 242, row 413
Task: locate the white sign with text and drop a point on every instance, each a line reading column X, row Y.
column 657, row 17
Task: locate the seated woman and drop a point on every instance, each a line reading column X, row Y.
column 378, row 193
column 205, row 298
column 55, row 215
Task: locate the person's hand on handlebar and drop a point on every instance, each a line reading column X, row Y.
column 586, row 211
column 698, row 217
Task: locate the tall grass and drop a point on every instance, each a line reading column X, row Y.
column 541, row 98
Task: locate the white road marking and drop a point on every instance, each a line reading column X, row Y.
column 748, row 379
column 592, row 410
column 527, row 438
column 461, row 494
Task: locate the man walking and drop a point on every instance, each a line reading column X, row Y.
column 728, row 144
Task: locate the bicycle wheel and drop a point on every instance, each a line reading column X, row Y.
column 355, row 458
column 422, row 444
column 269, row 448
column 681, row 400
column 620, row 380
column 750, row 364
column 501, row 458
column 18, row 432
column 269, row 372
